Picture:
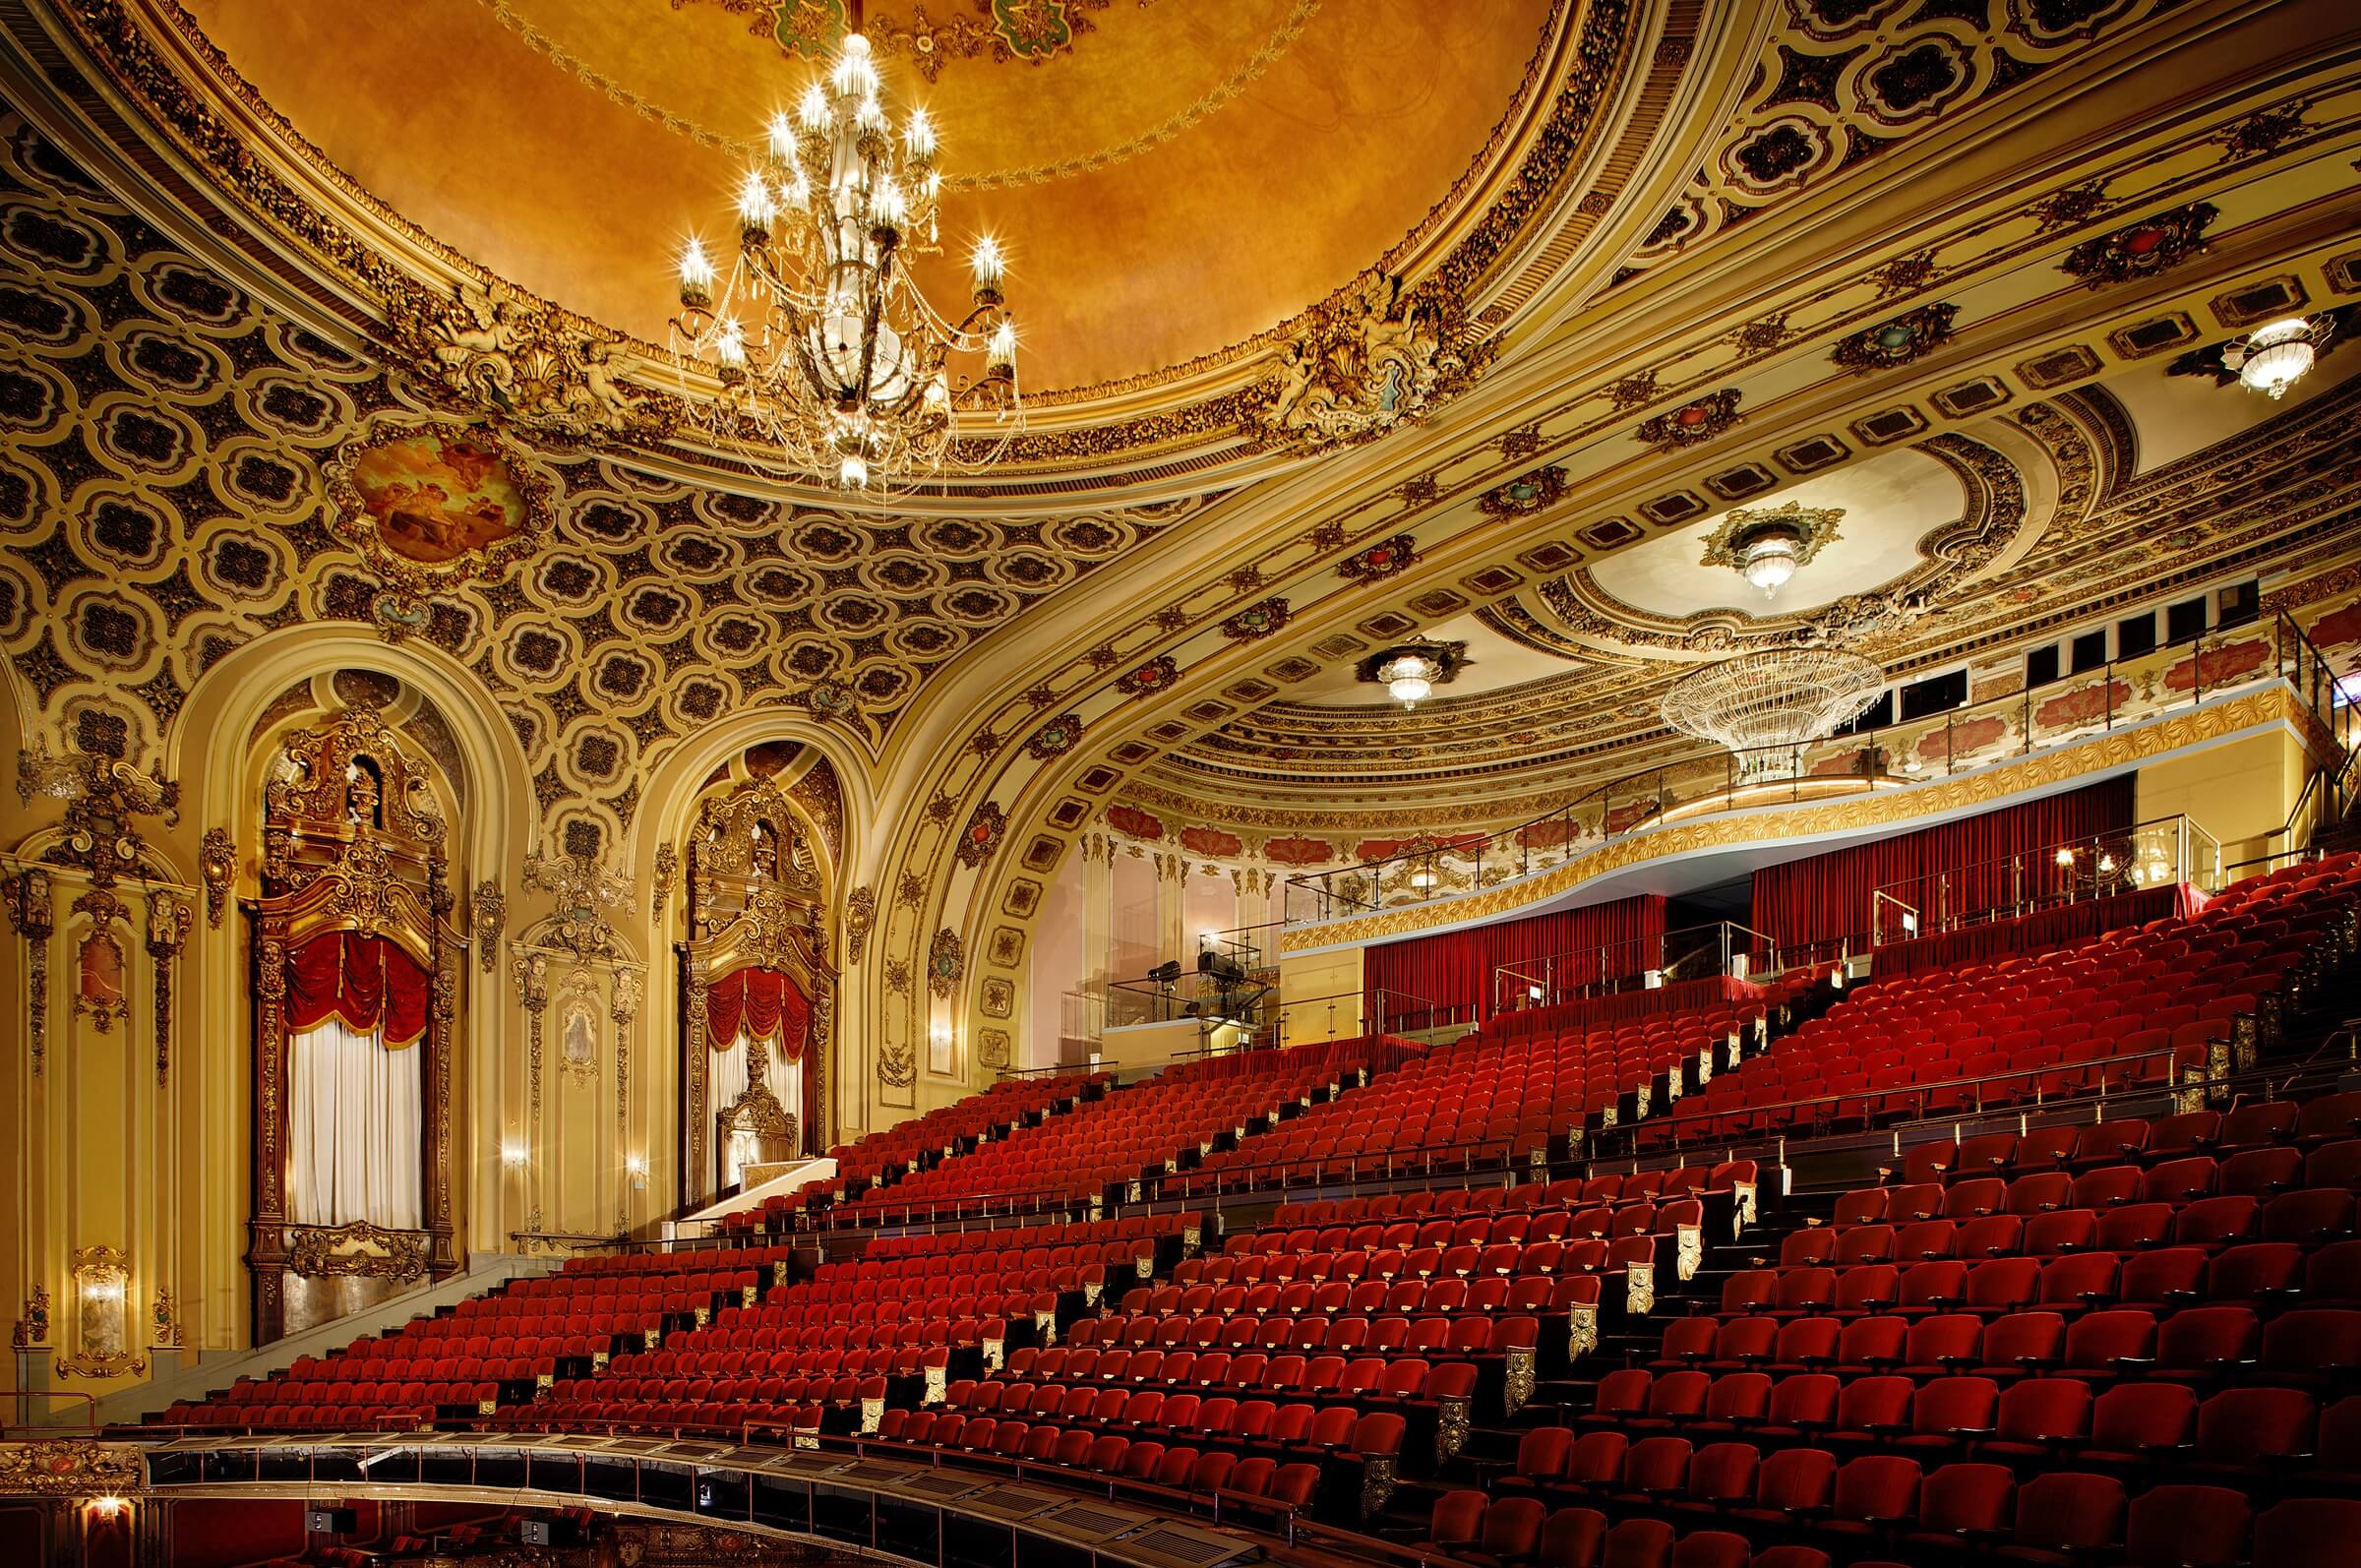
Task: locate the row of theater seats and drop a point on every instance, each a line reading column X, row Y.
column 1959, row 1513
column 1267, row 1490
column 2256, row 1125
column 1246, row 1374
column 1482, row 1102
column 2138, row 1426
column 881, row 1158
column 1103, row 1146
column 488, row 1345
column 810, row 1353
column 2120, row 1011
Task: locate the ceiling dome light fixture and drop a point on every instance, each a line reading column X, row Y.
column 824, row 348
column 2275, row 355
column 1767, row 545
column 1769, row 554
column 1411, row 671
column 1409, row 676
column 1765, row 706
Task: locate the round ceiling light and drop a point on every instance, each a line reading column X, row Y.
column 2275, row 355
column 1411, row 671
column 1409, row 676
column 1768, row 555
column 1767, row 545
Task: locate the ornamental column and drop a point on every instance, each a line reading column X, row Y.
column 1098, row 932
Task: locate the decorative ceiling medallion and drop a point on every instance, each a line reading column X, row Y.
column 431, row 507
column 985, row 830
column 1002, row 32
column 1256, row 621
column 1380, row 561
column 1909, row 336
column 1367, row 360
column 1157, row 675
column 1800, row 531
column 2140, row 250
column 357, row 238
column 1522, row 497
column 1708, row 416
column 946, row 961
column 1409, row 671
column 1056, row 738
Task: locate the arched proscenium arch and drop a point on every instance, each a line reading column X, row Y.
column 221, row 782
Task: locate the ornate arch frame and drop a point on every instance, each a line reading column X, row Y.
column 739, row 918
column 352, row 842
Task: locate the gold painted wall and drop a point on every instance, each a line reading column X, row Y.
column 1320, row 993
column 2239, row 791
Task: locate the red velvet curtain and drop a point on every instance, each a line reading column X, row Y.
column 1454, row 970
column 1960, row 866
column 764, row 1004
column 366, row 981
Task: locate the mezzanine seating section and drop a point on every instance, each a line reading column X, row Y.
column 944, row 1133
column 1106, row 1146
column 1492, row 1098
column 2133, row 1009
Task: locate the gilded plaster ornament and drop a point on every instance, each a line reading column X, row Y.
column 488, row 917
column 217, row 865
column 495, row 351
column 1367, row 361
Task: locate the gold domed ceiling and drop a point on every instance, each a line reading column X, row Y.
column 1169, row 179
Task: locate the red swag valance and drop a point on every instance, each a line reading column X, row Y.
column 764, row 1005
column 366, row 981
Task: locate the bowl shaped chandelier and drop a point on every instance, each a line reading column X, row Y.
column 1763, row 706
column 2277, row 354
column 826, row 353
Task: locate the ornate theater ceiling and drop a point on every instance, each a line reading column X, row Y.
column 1348, row 321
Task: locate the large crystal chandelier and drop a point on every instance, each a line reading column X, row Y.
column 825, row 349
column 1766, row 705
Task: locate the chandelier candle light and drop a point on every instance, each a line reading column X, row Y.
column 823, row 346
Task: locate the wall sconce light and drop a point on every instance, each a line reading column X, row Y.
column 940, row 1035
column 106, row 1510
column 514, row 1155
column 636, row 1167
column 1209, row 939
column 2065, row 856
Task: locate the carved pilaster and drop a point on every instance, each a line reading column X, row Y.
column 625, row 1008
column 217, row 865
column 168, row 922
column 31, row 914
column 530, row 971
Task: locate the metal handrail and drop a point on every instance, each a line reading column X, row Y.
column 91, row 1424
column 1513, row 1165
column 1527, row 975
column 2089, row 872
